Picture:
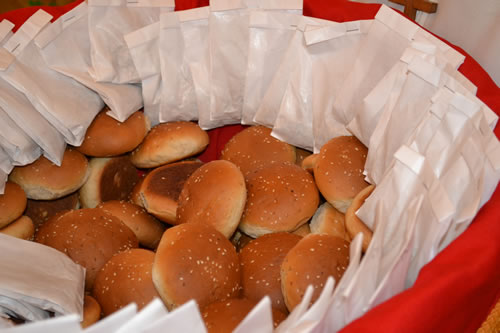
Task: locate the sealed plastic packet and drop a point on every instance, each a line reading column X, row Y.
column 184, row 40
column 109, row 21
column 65, row 46
column 143, row 45
column 66, row 104
column 229, row 42
column 294, row 121
column 270, row 33
column 389, row 35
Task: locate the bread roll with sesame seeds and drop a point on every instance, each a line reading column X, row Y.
column 195, row 261
column 110, row 178
column 225, row 316
column 260, row 267
column 338, row 170
column 88, row 236
column 170, row 142
column 12, row 203
column 311, row 262
column 255, row 147
column 161, row 188
column 43, row 180
column 147, row 229
column 214, row 194
column 91, row 311
column 22, row 228
column 328, row 220
column 107, row 136
column 124, row 279
column 281, row 197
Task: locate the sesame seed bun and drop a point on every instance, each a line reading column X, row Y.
column 225, row 316
column 311, row 262
column 170, row 142
column 195, row 261
column 215, row 195
column 111, row 178
column 260, row 267
column 88, row 236
column 353, row 223
column 147, row 229
column 124, row 279
column 91, row 311
column 12, row 203
column 339, row 170
column 254, row 147
column 281, row 197
column 22, row 228
column 328, row 220
column 160, row 190
column 43, row 180
column 107, row 136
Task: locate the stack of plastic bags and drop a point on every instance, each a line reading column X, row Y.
column 433, row 156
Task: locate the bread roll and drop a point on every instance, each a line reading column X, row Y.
column 339, row 170
column 328, row 220
column 311, row 262
column 111, row 178
column 254, row 147
column 260, row 267
column 107, row 136
column 147, row 229
column 43, row 180
column 135, row 195
column 353, row 223
column 309, row 162
column 22, row 228
column 303, row 231
column 88, row 236
column 91, row 311
column 124, row 279
column 195, row 261
column 41, row 210
column 214, row 194
column 160, row 190
column 281, row 197
column 301, row 155
column 225, row 316
column 12, row 203
column 170, row 142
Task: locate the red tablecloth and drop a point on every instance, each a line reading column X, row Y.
column 454, row 292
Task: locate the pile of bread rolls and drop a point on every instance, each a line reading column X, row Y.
column 146, row 218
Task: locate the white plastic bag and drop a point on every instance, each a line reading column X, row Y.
column 66, row 324
column 186, row 318
column 5, row 31
column 259, row 319
column 109, row 21
column 113, row 322
column 270, row 33
column 66, row 104
column 229, row 20
column 151, row 313
column 65, row 46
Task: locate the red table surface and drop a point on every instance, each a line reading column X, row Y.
column 455, row 291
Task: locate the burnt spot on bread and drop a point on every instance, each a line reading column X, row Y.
column 118, row 179
column 168, row 181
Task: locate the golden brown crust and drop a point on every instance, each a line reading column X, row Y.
column 124, row 279
column 254, row 147
column 309, row 162
column 215, row 195
column 147, row 229
column 311, row 262
column 328, row 220
column 260, row 267
column 301, row 154
column 88, row 236
column 225, row 316
column 281, row 197
column 12, row 203
column 303, row 231
column 195, row 261
column 111, row 178
column 161, row 188
column 339, row 170
column 107, row 136
column 169, row 142
column 91, row 311
column 22, row 228
column 135, row 194
column 43, row 180
column 353, row 223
